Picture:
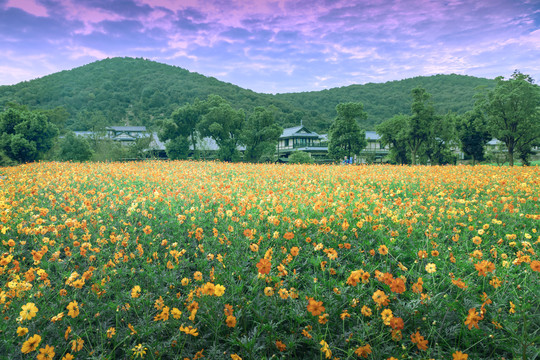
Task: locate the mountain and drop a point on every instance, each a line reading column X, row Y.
column 128, row 91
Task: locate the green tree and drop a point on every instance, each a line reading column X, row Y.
column 74, row 148
column 260, row 135
column 512, row 110
column 223, row 124
column 443, row 138
column 346, row 137
column 300, row 157
column 183, row 124
column 419, row 124
column 472, row 134
column 178, row 148
column 26, row 135
column 392, row 132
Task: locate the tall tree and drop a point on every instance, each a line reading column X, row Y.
column 419, row 125
column 26, row 135
column 260, row 134
column 473, row 134
column 392, row 132
column 346, row 136
column 223, row 124
column 512, row 110
column 181, row 125
column 443, row 138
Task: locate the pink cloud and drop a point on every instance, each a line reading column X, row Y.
column 29, row 6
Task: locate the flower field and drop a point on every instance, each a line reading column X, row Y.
column 174, row 260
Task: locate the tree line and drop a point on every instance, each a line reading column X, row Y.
column 509, row 112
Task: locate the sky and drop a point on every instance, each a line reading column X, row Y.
column 276, row 46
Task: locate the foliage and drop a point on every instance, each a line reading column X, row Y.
column 392, row 133
column 74, row 148
column 473, row 135
column 223, row 124
column 183, row 259
column 26, row 135
column 260, row 135
column 122, row 91
column 183, row 123
column 300, row 157
column 177, row 148
column 346, row 137
column 513, row 112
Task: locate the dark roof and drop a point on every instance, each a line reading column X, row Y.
column 127, row 128
column 298, row 131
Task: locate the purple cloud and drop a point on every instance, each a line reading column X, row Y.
column 276, row 45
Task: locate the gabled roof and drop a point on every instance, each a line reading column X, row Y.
column 127, row 128
column 372, row 135
column 298, row 131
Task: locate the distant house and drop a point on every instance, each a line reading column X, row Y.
column 374, row 149
column 299, row 138
column 126, row 134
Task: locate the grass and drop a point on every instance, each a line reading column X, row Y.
column 168, row 260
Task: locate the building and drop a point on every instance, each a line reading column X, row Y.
column 299, row 138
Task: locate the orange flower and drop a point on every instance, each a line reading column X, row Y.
column 363, row 351
column 231, row 321
column 295, row 250
column 288, row 235
column 458, row 355
column 380, row 298
column 535, row 265
column 315, row 307
column 383, row 250
column 484, row 267
column 419, row 340
column 281, row 346
column 398, row 286
column 472, row 318
column 264, row 266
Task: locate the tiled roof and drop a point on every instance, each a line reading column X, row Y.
column 294, row 131
column 127, row 128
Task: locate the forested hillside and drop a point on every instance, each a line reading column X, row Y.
column 382, row 101
column 131, row 91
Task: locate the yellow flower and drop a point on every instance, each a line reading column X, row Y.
column 31, row 344
column 431, row 268
column 219, row 290
column 197, row 276
column 73, row 308
column 136, row 291
column 268, row 291
column 366, row 311
column 139, row 350
column 68, row 356
column 185, row 281
column 387, row 316
column 28, row 311
column 235, row 357
column 22, row 331
column 176, row 313
column 46, row 353
column 111, row 332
